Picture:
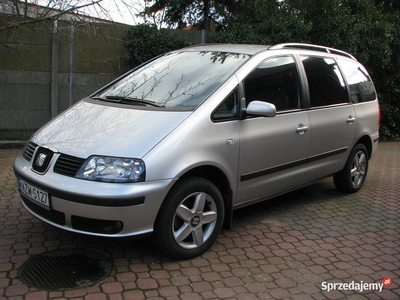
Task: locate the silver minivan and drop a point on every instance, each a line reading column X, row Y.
column 175, row 145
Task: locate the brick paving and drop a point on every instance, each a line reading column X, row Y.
column 284, row 248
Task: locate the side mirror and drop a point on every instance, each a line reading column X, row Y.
column 260, row 108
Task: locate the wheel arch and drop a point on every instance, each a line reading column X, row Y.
column 366, row 141
column 221, row 181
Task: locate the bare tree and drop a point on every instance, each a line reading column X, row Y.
column 22, row 13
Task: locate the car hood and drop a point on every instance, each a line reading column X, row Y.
column 89, row 128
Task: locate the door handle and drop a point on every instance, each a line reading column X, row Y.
column 351, row 119
column 302, row 128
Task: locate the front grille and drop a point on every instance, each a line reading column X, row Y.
column 95, row 225
column 68, row 165
column 29, row 150
column 42, row 159
column 51, row 215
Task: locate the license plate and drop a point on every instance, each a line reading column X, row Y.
column 33, row 193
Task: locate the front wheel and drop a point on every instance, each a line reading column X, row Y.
column 190, row 218
column 353, row 175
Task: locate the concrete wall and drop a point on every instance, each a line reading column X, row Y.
column 35, row 66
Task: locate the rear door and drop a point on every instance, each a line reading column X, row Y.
column 331, row 116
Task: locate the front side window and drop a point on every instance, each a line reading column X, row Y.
column 360, row 84
column 325, row 82
column 275, row 81
column 229, row 109
column 177, row 80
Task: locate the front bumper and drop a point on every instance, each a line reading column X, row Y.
column 95, row 208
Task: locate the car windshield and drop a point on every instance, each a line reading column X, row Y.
column 177, row 80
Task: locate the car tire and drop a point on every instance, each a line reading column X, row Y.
column 354, row 173
column 190, row 218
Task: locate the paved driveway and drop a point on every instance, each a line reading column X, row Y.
column 296, row 246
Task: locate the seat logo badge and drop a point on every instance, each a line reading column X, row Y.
column 40, row 159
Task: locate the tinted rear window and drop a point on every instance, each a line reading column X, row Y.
column 326, row 84
column 360, row 84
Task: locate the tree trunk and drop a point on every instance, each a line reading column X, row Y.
column 206, row 14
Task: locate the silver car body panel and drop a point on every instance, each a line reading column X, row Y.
column 331, row 136
column 103, row 130
column 275, row 167
column 367, row 122
column 198, row 142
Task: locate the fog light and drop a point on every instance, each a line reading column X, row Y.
column 112, row 227
column 118, row 225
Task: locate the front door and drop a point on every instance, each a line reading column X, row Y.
column 273, row 150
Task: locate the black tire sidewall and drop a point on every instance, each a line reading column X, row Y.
column 343, row 179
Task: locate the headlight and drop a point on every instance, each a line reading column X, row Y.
column 112, row 169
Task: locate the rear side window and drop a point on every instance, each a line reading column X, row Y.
column 275, row 81
column 360, row 84
column 326, row 84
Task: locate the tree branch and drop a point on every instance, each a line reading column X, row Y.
column 55, row 16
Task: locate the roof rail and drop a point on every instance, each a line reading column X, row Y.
column 312, row 47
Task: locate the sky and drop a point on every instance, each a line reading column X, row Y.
column 122, row 11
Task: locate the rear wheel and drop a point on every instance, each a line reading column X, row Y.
column 190, row 218
column 353, row 175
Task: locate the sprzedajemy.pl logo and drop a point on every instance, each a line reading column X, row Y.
column 356, row 286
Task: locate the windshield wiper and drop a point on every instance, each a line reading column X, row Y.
column 129, row 100
column 135, row 100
